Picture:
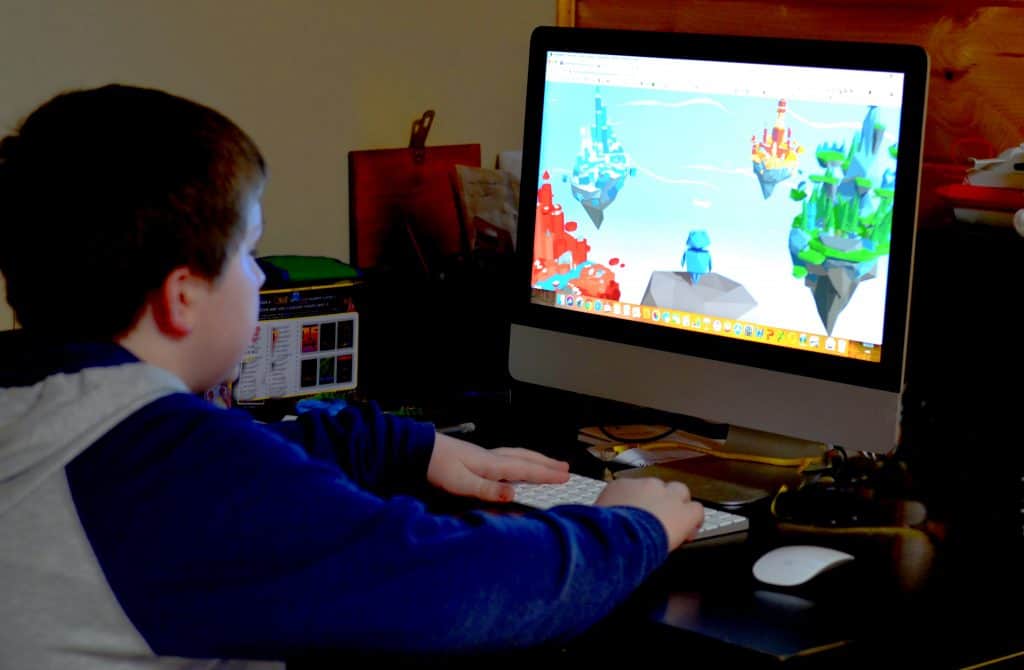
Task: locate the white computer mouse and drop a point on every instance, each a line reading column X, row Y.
column 797, row 564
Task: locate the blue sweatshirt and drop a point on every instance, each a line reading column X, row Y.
column 221, row 537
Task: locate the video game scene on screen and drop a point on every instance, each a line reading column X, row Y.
column 729, row 214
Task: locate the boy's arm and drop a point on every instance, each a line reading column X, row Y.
column 381, row 452
column 386, row 454
column 220, row 539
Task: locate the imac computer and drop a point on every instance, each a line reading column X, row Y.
column 721, row 227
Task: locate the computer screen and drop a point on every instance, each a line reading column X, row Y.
column 721, row 227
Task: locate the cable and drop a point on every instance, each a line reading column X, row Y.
column 898, row 531
column 701, row 444
column 801, row 463
column 713, row 448
column 650, row 438
column 832, row 524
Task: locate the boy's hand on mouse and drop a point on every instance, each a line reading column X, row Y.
column 466, row 469
column 669, row 501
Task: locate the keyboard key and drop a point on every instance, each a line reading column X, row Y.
column 580, row 490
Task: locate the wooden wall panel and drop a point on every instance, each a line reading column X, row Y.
column 976, row 87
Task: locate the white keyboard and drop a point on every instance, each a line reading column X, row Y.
column 580, row 490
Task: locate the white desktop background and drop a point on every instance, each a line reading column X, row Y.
column 310, row 80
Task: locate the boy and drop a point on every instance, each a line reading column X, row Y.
column 143, row 526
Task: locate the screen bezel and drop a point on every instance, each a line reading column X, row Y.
column 911, row 61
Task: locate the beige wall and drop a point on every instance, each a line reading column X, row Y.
column 310, row 80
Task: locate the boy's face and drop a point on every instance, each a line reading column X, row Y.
column 232, row 308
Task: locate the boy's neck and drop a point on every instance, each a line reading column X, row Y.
column 148, row 343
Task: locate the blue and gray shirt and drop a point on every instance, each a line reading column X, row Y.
column 143, row 527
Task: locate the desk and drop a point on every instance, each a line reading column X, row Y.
column 702, row 609
column 698, row 610
column 898, row 607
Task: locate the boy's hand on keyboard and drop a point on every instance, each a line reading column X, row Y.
column 466, row 469
column 669, row 501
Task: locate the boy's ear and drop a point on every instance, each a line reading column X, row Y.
column 176, row 302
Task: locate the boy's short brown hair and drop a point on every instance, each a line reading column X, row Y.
column 103, row 192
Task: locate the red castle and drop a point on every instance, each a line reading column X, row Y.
column 553, row 240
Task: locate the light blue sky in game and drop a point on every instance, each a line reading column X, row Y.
column 693, row 171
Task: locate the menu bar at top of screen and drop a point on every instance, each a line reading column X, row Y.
column 817, row 84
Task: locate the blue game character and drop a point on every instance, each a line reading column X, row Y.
column 697, row 258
